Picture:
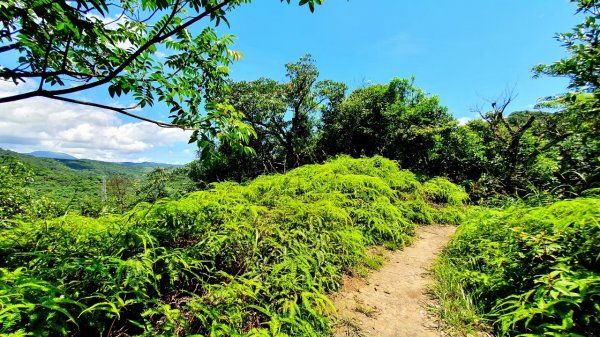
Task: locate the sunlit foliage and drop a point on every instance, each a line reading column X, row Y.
column 239, row 260
column 527, row 270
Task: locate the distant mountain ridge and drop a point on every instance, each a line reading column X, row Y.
column 52, row 155
column 66, row 156
column 146, row 164
column 56, row 161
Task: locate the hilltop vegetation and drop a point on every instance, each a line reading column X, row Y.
column 255, row 259
column 550, row 152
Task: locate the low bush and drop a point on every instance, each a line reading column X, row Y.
column 526, row 270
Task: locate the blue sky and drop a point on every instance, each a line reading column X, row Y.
column 463, row 51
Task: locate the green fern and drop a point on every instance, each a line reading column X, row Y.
column 254, row 259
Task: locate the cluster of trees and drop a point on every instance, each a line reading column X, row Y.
column 553, row 150
column 124, row 192
column 304, row 120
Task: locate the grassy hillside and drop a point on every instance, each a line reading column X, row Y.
column 236, row 260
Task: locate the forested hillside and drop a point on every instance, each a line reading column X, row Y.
column 58, row 186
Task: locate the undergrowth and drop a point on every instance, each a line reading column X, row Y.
column 236, row 260
column 527, row 271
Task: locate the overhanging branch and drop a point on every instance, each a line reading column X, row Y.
column 124, row 112
column 9, row 47
column 156, row 39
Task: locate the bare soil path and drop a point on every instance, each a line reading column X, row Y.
column 392, row 301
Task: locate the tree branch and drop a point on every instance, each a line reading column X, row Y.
column 9, row 47
column 45, row 67
column 156, row 39
column 12, row 73
column 63, row 66
column 149, row 17
column 122, row 111
column 516, row 137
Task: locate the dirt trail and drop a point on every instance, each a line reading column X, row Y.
column 392, row 301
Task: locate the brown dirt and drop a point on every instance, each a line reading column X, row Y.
column 392, row 302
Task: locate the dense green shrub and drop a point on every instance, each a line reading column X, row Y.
column 253, row 260
column 14, row 197
column 530, row 270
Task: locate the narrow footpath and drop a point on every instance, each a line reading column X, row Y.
column 392, row 302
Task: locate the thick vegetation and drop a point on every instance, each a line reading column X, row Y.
column 82, row 255
column 254, row 259
column 528, row 270
column 304, row 121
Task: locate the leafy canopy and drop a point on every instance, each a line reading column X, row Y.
column 68, row 47
column 397, row 120
column 285, row 117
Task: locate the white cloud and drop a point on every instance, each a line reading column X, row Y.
column 111, row 22
column 85, row 132
column 464, row 120
column 8, row 88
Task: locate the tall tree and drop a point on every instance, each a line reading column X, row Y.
column 285, row 117
column 120, row 189
column 580, row 109
column 508, row 137
column 396, row 120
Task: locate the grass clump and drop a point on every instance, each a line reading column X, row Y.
column 525, row 270
column 364, row 309
column 236, row 260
